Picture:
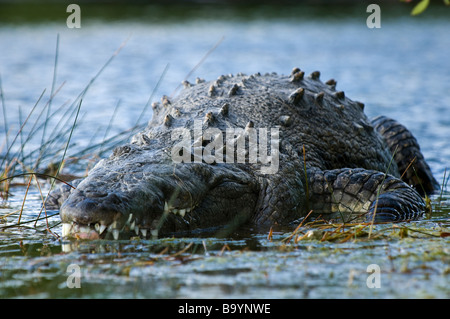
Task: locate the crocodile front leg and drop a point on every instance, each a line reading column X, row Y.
column 347, row 193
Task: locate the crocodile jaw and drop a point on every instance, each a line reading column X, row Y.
column 168, row 199
column 102, row 229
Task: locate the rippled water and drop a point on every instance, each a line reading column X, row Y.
column 400, row 70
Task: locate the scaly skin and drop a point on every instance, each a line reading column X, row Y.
column 331, row 159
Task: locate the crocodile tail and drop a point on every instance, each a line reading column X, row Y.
column 411, row 163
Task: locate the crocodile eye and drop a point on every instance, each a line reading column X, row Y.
column 121, row 150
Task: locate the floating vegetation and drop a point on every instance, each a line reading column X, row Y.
column 332, row 232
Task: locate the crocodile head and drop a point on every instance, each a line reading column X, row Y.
column 139, row 192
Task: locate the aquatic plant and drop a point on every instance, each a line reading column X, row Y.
column 422, row 6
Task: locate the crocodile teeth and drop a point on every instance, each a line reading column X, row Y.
column 182, row 211
column 115, row 233
column 100, row 228
column 112, row 226
column 66, row 228
column 130, row 217
column 154, row 232
column 144, row 232
column 84, row 229
column 176, row 211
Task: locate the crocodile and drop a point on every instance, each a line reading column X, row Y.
column 260, row 149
